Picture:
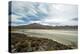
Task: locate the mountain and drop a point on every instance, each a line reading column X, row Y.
column 40, row 26
column 32, row 26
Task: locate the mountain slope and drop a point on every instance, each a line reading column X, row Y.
column 40, row 26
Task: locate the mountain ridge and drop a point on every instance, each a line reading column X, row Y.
column 40, row 26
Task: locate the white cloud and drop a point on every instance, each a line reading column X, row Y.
column 57, row 14
column 69, row 23
column 55, row 20
column 15, row 17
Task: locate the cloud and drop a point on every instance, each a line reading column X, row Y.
column 48, row 14
column 28, row 11
column 75, row 19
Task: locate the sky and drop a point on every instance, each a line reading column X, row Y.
column 24, row 13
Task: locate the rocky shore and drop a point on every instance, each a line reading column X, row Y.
column 24, row 43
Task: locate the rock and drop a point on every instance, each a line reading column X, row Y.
column 24, row 43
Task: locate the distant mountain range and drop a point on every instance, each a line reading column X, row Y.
column 40, row 26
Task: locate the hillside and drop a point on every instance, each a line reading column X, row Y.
column 40, row 26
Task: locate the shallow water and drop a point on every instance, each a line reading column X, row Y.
column 66, row 37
